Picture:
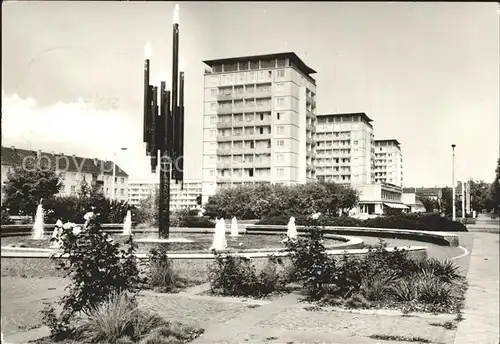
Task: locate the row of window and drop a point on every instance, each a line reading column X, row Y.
column 78, row 176
column 249, row 172
column 248, row 117
column 280, row 129
column 225, row 105
column 227, row 79
column 73, row 190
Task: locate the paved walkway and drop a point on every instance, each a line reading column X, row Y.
column 481, row 312
column 286, row 319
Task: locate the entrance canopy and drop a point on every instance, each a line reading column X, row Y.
column 396, row 205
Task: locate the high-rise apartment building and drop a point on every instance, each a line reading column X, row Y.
column 388, row 162
column 259, row 121
column 185, row 198
column 345, row 148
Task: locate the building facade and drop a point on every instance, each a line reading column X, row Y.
column 345, row 148
column 388, row 167
column 72, row 170
column 433, row 193
column 412, row 201
column 140, row 189
column 259, row 121
column 380, row 198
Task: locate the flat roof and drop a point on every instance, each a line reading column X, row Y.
column 362, row 114
column 291, row 55
column 388, row 140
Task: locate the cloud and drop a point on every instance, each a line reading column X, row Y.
column 84, row 128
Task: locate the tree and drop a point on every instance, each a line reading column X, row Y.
column 446, row 201
column 430, row 204
column 495, row 190
column 26, row 185
column 90, row 191
column 480, row 195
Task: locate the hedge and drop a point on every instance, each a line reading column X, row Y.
column 429, row 222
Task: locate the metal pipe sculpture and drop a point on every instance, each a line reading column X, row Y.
column 164, row 129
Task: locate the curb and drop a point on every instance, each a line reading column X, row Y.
column 439, row 238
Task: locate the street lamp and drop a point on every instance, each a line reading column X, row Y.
column 453, row 216
column 114, row 174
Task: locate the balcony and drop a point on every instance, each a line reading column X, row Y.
column 256, row 150
column 223, row 165
column 222, row 97
column 224, row 124
column 224, row 138
column 310, row 140
column 224, row 178
column 224, row 111
column 247, row 178
column 224, row 151
column 261, row 164
column 263, row 94
column 311, row 128
column 311, row 154
column 239, row 96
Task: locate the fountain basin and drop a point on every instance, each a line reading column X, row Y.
column 189, row 242
column 163, row 241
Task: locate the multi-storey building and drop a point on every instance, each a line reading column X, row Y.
column 140, row 189
column 345, row 148
column 388, row 162
column 73, row 171
column 433, row 193
column 379, row 198
column 259, row 121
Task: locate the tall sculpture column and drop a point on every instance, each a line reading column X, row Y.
column 164, row 128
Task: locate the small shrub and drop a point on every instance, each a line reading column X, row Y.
column 375, row 287
column 357, row 301
column 162, row 275
column 405, row 290
column 236, row 276
column 313, row 266
column 432, row 290
column 5, row 218
column 97, row 268
column 446, row 271
column 120, row 321
column 196, row 222
column 109, row 320
column 269, row 279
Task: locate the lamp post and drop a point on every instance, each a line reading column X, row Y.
column 114, row 173
column 164, row 128
column 463, row 200
column 453, row 216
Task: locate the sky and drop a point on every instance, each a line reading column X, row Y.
column 426, row 73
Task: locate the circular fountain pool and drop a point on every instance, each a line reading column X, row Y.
column 181, row 242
